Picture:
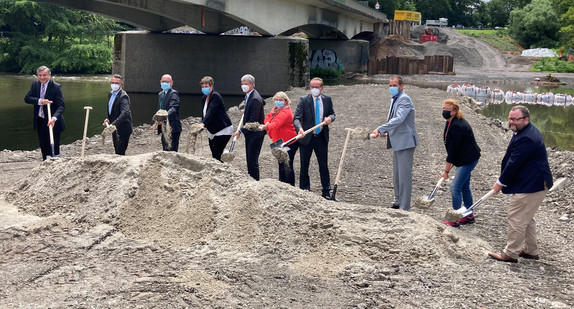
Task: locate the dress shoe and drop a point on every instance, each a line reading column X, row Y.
column 529, row 256
column 503, row 257
column 394, row 206
column 327, row 197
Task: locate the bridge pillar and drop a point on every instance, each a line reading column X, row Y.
column 351, row 55
column 277, row 63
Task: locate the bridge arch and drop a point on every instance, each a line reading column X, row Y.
column 267, row 17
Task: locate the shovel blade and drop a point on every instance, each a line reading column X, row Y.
column 464, row 211
column 277, row 144
column 428, row 198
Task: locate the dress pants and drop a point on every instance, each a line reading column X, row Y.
column 44, row 138
column 253, row 143
column 286, row 172
column 217, row 145
column 403, row 177
column 320, row 146
column 521, row 223
column 120, row 143
column 174, row 142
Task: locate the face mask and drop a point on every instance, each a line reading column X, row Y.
column 115, row 87
column 315, row 92
column 446, row 114
column 279, row 104
column 205, row 90
column 165, row 86
column 245, row 88
column 394, row 91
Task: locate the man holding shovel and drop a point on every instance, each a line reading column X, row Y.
column 313, row 109
column 402, row 138
column 526, row 175
column 119, row 114
column 42, row 93
column 168, row 99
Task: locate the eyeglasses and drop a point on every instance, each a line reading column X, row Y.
column 515, row 119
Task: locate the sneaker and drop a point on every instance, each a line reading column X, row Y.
column 450, row 223
column 466, row 220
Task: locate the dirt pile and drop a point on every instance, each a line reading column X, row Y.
column 179, row 201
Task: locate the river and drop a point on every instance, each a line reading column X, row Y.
column 555, row 123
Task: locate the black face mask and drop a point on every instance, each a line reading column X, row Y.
column 446, row 114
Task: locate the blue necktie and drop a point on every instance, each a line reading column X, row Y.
column 317, row 116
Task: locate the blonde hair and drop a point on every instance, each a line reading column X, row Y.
column 318, row 79
column 455, row 107
column 206, row 80
column 282, row 95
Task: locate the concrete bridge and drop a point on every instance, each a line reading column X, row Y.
column 272, row 19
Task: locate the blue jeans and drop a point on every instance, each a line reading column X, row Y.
column 460, row 186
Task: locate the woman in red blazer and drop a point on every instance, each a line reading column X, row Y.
column 279, row 124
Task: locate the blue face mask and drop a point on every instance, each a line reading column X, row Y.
column 165, row 86
column 279, row 104
column 205, row 90
column 394, row 91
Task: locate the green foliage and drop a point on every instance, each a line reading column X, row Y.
column 565, row 9
column 535, row 25
column 326, row 73
column 549, row 64
column 494, row 38
column 65, row 40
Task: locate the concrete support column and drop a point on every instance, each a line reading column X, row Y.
column 350, row 55
column 277, row 63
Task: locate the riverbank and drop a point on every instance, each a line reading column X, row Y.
column 166, row 230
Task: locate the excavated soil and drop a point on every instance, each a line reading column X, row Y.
column 158, row 229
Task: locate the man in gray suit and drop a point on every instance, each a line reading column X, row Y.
column 402, row 138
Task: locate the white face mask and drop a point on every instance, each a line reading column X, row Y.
column 245, row 88
column 115, row 87
column 315, row 92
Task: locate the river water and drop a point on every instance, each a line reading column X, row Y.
column 555, row 123
column 79, row 91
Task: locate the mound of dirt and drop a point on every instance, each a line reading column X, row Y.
column 178, row 200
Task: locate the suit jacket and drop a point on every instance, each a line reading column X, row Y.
column 525, row 167
column 402, row 133
column 253, row 113
column 305, row 116
column 216, row 118
column 460, row 144
column 53, row 93
column 171, row 104
column 121, row 115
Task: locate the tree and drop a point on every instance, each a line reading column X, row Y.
column 535, row 25
column 65, row 40
column 565, row 8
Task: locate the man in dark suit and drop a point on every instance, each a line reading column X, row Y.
column 525, row 173
column 313, row 109
column 253, row 112
column 168, row 100
column 119, row 114
column 42, row 93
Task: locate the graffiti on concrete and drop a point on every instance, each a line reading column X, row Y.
column 323, row 58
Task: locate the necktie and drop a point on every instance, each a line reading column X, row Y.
column 317, row 116
column 42, row 95
column 162, row 100
column 391, row 111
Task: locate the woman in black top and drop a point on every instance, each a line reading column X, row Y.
column 462, row 152
column 214, row 118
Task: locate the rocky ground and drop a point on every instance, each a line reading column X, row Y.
column 167, row 230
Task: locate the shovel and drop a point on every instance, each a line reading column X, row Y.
column 51, row 130
column 463, row 211
column 427, row 200
column 229, row 155
column 279, row 150
column 349, row 131
column 87, row 108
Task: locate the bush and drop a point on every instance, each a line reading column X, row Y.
column 553, row 65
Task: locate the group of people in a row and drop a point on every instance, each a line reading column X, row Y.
column 525, row 171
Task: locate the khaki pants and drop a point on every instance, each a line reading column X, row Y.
column 521, row 223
